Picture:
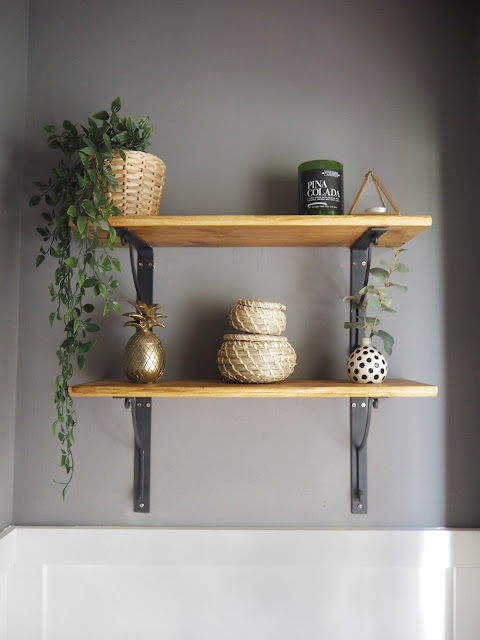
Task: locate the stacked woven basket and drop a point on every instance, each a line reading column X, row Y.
column 260, row 354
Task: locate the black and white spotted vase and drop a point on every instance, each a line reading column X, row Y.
column 366, row 364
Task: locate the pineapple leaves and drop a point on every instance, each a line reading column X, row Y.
column 76, row 233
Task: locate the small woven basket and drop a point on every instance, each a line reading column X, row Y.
column 141, row 178
column 256, row 358
column 258, row 316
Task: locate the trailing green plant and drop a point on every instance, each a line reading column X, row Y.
column 77, row 234
column 375, row 299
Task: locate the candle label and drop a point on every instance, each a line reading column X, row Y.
column 320, row 190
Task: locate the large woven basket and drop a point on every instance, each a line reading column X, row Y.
column 140, row 178
column 256, row 358
column 259, row 316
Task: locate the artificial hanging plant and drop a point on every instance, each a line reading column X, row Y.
column 78, row 236
column 375, row 299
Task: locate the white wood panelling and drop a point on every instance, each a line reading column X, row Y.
column 199, row 584
column 7, row 559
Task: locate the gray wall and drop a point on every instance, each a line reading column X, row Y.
column 240, row 94
column 13, row 82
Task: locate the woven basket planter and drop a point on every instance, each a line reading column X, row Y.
column 258, row 316
column 140, row 178
column 256, row 358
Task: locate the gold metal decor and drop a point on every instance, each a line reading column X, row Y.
column 371, row 175
column 144, row 358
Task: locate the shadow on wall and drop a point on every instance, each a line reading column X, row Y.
column 460, row 120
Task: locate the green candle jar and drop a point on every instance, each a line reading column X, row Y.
column 320, row 188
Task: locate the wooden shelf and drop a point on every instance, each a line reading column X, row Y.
column 270, row 231
column 219, row 389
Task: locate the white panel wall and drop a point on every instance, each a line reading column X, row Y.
column 7, row 559
column 236, row 584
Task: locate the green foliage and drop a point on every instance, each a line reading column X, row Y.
column 77, row 193
column 375, row 299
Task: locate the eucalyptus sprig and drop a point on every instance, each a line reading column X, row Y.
column 78, row 235
column 374, row 300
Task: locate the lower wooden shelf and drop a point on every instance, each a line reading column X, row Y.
column 219, row 389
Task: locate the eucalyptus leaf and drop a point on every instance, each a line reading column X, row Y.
column 379, row 274
column 353, row 325
column 402, row 268
column 387, row 339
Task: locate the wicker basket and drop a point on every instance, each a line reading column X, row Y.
column 256, row 358
column 140, row 183
column 258, row 316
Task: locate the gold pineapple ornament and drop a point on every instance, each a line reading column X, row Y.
column 144, row 358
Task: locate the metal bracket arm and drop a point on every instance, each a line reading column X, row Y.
column 142, row 273
column 360, row 408
column 360, row 415
column 142, row 422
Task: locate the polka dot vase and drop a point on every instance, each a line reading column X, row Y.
column 366, row 364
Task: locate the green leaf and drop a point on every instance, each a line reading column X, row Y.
column 34, row 200
column 113, row 284
column 353, row 325
column 87, row 206
column 400, row 287
column 387, row 308
column 121, row 138
column 116, row 306
column 83, row 347
column 130, row 124
column 72, row 211
column 350, row 298
column 387, row 339
column 101, row 115
column 379, row 274
column 402, row 268
column 91, row 327
column 72, row 262
column 112, row 236
column 374, row 305
column 49, row 128
column 88, row 308
column 90, row 282
column 116, row 264
column 122, row 155
column 368, row 289
column 81, row 278
column 40, row 258
column 51, row 318
column 106, row 308
column 102, row 289
column 88, row 151
column 116, row 105
column 81, row 362
column 68, row 126
column 103, row 224
column 81, row 224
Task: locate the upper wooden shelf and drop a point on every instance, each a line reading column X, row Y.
column 270, row 231
column 219, row 389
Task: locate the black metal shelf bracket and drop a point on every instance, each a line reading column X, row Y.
column 142, row 272
column 360, row 415
column 360, row 408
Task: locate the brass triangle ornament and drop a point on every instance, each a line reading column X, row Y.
column 382, row 192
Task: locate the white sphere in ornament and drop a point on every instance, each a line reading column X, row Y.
column 366, row 364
